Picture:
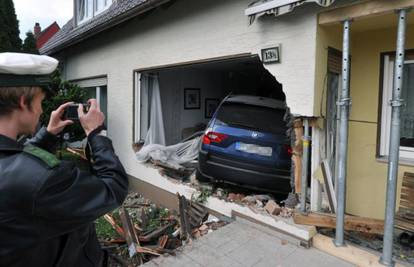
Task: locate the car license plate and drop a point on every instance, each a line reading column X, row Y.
column 254, row 149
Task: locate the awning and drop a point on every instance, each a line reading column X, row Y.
column 278, row 7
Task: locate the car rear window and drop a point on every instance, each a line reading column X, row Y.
column 252, row 117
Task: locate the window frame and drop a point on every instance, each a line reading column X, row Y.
column 95, row 12
column 95, row 5
column 137, row 107
column 387, row 70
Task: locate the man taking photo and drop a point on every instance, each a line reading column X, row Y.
column 48, row 206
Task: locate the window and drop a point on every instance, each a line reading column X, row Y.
column 245, row 116
column 102, row 5
column 407, row 111
column 87, row 9
column 100, row 94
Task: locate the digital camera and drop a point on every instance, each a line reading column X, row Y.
column 71, row 111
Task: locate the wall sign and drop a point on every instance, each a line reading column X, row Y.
column 271, row 55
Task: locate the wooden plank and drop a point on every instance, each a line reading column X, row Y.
column 407, row 204
column 408, row 185
column 298, row 170
column 297, row 154
column 156, row 233
column 408, row 174
column 408, row 197
column 316, row 186
column 404, row 225
column 130, row 234
column 402, row 210
column 185, row 228
column 408, row 179
column 362, row 10
column 329, row 188
column 407, row 191
column 354, row 223
column 349, row 253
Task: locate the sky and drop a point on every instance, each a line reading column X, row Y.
column 43, row 11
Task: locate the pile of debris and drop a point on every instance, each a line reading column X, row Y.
column 142, row 230
column 258, row 203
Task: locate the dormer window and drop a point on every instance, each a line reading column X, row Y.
column 87, row 9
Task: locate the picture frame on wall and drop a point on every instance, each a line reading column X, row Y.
column 211, row 104
column 192, row 98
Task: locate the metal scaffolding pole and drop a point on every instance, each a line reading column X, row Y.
column 343, row 103
column 306, row 144
column 394, row 152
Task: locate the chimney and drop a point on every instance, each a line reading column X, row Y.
column 37, row 29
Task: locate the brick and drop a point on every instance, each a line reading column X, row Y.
column 273, row 208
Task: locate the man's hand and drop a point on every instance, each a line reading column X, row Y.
column 93, row 119
column 56, row 124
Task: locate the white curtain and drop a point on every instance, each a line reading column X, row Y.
column 156, row 131
column 155, row 146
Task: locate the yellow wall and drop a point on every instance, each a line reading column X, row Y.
column 366, row 179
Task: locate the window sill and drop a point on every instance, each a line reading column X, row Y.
column 402, row 161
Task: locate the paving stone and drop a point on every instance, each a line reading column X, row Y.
column 150, row 264
column 229, row 247
column 203, row 255
column 266, row 262
column 224, row 261
column 313, row 258
column 239, row 244
column 216, row 240
column 179, row 260
column 248, row 255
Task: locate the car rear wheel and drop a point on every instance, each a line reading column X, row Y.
column 201, row 178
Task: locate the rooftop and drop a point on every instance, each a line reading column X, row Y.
column 118, row 12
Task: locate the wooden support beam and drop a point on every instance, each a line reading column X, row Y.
column 329, row 188
column 316, row 187
column 353, row 223
column 297, row 149
column 362, row 10
column 349, row 253
column 130, row 234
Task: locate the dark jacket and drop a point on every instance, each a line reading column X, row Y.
column 47, row 206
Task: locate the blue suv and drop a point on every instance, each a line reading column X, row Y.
column 245, row 143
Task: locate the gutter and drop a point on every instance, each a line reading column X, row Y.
column 132, row 13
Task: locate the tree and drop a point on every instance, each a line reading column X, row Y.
column 9, row 28
column 29, row 44
column 66, row 92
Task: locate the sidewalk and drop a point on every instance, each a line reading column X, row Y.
column 242, row 243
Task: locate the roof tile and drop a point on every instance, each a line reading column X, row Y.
column 69, row 33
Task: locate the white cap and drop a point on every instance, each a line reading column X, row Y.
column 26, row 64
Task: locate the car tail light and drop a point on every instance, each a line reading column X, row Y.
column 289, row 150
column 213, row 137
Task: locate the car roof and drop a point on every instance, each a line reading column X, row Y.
column 256, row 101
